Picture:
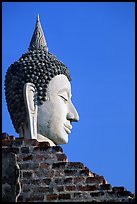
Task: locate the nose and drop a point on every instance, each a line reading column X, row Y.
column 72, row 114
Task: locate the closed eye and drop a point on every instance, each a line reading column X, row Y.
column 64, row 99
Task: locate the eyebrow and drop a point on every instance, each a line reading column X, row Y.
column 67, row 91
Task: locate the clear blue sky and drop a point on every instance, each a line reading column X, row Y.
column 96, row 41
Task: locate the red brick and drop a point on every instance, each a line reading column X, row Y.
column 18, row 142
column 97, row 193
column 100, row 179
column 6, row 142
column 61, row 157
column 52, row 197
column 64, row 196
column 92, row 180
column 44, row 165
column 79, row 179
column 70, row 172
column 118, row 189
column 68, row 180
column 35, row 197
column 31, row 142
column 70, row 188
column 29, row 157
column 74, row 165
column 88, row 188
column 57, row 149
column 105, row 187
column 60, row 188
column 39, row 157
column 44, row 144
column 11, row 137
column 84, row 172
column 59, row 165
column 40, row 148
column 42, row 189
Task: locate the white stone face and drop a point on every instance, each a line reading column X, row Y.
column 55, row 115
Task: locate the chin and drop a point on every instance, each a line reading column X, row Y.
column 63, row 139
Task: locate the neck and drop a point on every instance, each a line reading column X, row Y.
column 26, row 133
column 42, row 138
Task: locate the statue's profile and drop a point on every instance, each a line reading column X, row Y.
column 38, row 94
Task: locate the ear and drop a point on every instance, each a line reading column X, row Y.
column 29, row 92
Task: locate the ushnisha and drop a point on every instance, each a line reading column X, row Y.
column 38, row 94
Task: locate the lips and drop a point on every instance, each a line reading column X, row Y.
column 67, row 128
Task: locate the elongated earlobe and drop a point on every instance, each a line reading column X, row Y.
column 31, row 107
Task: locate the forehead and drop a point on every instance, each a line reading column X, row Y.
column 59, row 82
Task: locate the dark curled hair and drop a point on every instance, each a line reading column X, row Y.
column 37, row 67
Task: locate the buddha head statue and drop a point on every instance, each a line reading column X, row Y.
column 38, row 94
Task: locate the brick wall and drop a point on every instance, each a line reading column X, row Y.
column 42, row 173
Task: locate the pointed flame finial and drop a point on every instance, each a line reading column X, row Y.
column 38, row 39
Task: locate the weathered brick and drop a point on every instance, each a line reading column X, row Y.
column 61, row 157
column 100, row 179
column 39, row 157
column 40, row 148
column 18, row 142
column 26, row 158
column 40, row 173
column 31, row 142
column 64, row 196
column 6, row 142
column 78, row 195
column 59, row 172
column 44, row 144
column 87, row 188
column 57, row 149
column 29, row 166
column 84, row 172
column 60, row 188
column 68, row 180
column 34, row 197
column 44, row 165
column 11, row 137
column 46, row 181
column 97, row 193
column 74, row 165
column 59, row 181
column 58, row 165
column 26, row 188
column 25, row 150
column 70, row 172
column 43, row 189
column 92, row 180
column 27, row 174
column 125, row 193
column 35, row 181
column 52, row 196
column 70, row 188
column 10, row 150
column 78, row 179
column 118, row 189
column 105, row 187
